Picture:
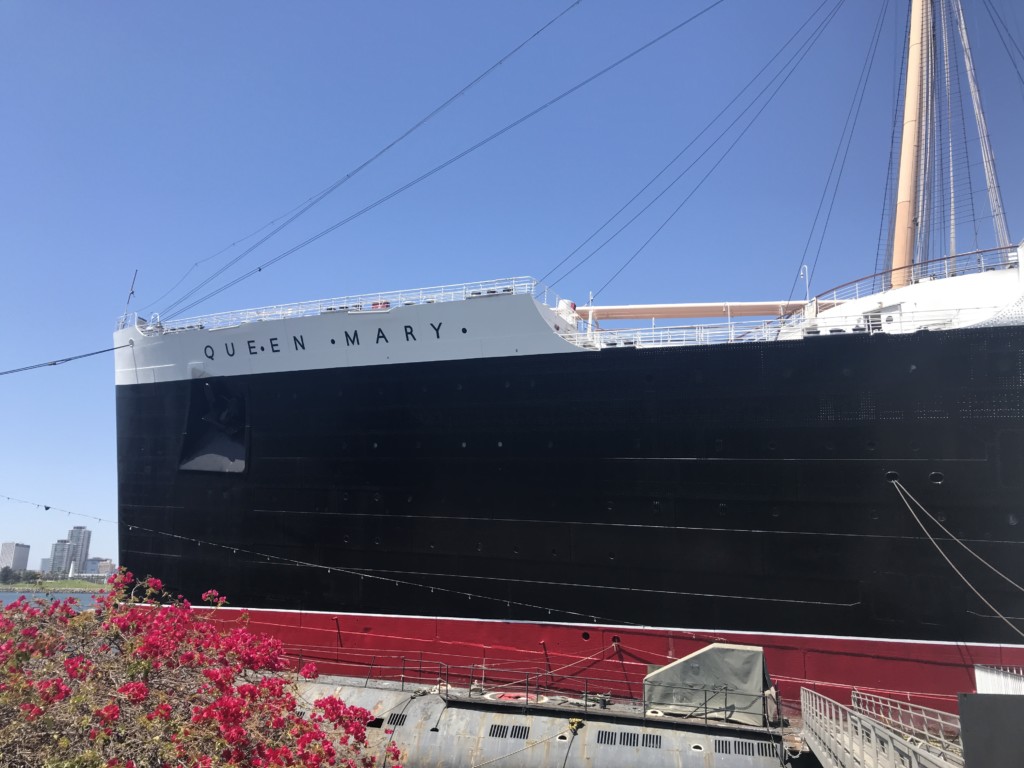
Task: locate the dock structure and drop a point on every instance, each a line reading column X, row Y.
column 875, row 732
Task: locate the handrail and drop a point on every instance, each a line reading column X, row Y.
column 841, row 736
column 919, row 724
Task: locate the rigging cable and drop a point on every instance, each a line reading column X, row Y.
column 855, row 108
column 62, row 360
column 808, row 45
column 843, row 148
column 974, row 554
column 324, row 193
column 904, row 496
column 1002, row 29
column 455, row 158
column 883, row 251
column 671, row 162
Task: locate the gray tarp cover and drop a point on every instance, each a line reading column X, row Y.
column 730, row 681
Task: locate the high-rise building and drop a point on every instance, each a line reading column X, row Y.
column 45, row 565
column 60, row 557
column 14, row 556
column 78, row 540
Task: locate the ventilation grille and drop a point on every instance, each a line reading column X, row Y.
column 499, row 731
column 606, row 737
column 723, row 747
column 520, row 732
column 744, row 748
column 652, row 740
column 629, row 739
column 396, row 719
column 766, row 749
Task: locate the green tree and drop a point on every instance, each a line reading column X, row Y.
column 6, row 575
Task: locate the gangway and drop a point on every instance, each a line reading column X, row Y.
column 879, row 733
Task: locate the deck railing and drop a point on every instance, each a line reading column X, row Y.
column 366, row 302
column 952, row 266
column 574, row 686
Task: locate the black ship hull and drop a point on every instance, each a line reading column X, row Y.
column 745, row 487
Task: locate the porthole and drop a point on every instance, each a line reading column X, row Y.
column 1012, row 519
column 615, row 639
column 500, row 444
column 586, row 635
column 697, row 747
column 346, row 538
column 892, row 477
column 479, row 547
column 937, row 477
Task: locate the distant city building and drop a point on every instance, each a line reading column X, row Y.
column 70, row 555
column 45, row 565
column 78, row 539
column 14, row 556
column 60, row 557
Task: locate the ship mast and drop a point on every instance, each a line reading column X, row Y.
column 908, row 186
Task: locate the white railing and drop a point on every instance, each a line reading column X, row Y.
column 367, row 302
column 679, row 335
column 933, row 729
column 841, row 737
column 952, row 266
column 999, row 679
column 760, row 330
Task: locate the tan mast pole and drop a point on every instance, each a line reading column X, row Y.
column 904, row 231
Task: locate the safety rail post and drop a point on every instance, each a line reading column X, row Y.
column 369, row 671
column 402, row 674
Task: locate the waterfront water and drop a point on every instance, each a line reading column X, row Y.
column 84, row 598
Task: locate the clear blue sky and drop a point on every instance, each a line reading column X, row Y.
column 151, row 136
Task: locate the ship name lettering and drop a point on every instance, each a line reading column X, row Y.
column 252, row 347
column 409, row 334
column 229, row 347
column 300, row 343
column 273, row 345
column 380, row 335
column 437, row 329
column 352, row 339
column 208, row 351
